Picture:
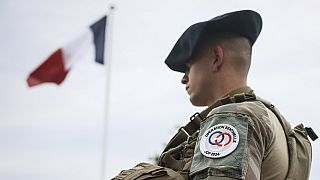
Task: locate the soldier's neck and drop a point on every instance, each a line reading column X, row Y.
column 227, row 89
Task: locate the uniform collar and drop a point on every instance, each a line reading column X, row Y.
column 229, row 95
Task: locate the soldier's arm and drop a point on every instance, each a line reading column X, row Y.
column 145, row 171
column 216, row 158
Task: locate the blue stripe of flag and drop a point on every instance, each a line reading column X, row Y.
column 98, row 29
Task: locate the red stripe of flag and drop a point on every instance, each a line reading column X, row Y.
column 52, row 70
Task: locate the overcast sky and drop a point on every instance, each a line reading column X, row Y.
column 55, row 132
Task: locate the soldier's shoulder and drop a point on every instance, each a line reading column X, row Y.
column 250, row 108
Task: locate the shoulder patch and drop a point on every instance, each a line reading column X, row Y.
column 222, row 148
column 219, row 141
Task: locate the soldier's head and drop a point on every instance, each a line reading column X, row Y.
column 215, row 55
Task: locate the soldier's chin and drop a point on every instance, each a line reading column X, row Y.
column 197, row 102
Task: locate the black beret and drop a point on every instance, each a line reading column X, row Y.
column 246, row 23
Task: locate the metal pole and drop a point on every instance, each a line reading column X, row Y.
column 108, row 55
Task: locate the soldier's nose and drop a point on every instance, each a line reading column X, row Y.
column 184, row 79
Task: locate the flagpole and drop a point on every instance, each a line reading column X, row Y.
column 108, row 57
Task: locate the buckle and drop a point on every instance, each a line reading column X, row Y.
column 186, row 133
column 194, row 116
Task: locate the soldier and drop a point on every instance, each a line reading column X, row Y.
column 238, row 140
column 238, row 136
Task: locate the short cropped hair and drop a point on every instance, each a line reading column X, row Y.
column 237, row 46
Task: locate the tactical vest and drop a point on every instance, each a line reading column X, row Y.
column 178, row 153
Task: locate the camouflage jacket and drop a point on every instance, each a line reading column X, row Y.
column 235, row 141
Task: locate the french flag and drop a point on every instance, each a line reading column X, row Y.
column 56, row 67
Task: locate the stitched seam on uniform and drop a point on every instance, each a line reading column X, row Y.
column 246, row 157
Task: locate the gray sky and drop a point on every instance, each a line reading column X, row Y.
column 55, row 132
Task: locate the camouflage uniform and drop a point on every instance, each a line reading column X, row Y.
column 261, row 153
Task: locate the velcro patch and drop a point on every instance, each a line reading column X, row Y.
column 222, row 157
column 219, row 141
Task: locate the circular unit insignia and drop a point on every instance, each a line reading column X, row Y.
column 219, row 141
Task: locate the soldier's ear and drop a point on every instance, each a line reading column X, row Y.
column 217, row 55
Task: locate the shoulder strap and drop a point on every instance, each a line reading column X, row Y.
column 285, row 124
column 185, row 132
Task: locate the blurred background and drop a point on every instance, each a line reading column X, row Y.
column 55, row 132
